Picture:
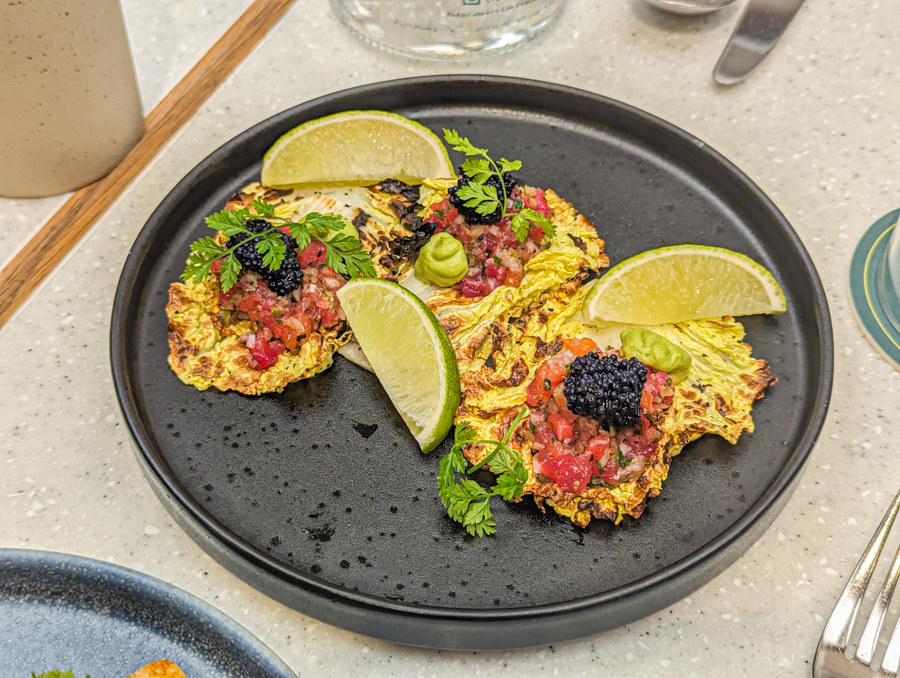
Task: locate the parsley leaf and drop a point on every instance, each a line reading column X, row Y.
column 480, row 196
column 505, row 462
column 300, row 234
column 231, row 222
column 55, row 674
column 510, row 487
column 483, row 197
column 273, row 249
column 231, row 271
column 523, row 222
column 520, row 227
column 543, row 222
column 462, row 144
column 478, row 169
column 347, row 257
column 510, row 165
column 208, row 246
column 345, row 253
column 463, row 436
column 321, row 225
column 466, row 501
column 204, row 252
column 477, row 520
column 457, row 498
column 264, row 209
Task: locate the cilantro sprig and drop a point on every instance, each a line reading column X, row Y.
column 466, row 501
column 344, row 253
column 483, row 197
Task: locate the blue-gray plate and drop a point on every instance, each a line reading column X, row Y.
column 60, row 611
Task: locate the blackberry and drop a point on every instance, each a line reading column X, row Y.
column 287, row 277
column 607, row 389
column 246, row 254
column 469, row 214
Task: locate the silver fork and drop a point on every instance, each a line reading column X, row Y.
column 831, row 661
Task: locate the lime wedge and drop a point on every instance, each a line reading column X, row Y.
column 355, row 147
column 684, row 282
column 409, row 352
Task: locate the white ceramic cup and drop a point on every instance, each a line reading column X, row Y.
column 69, row 101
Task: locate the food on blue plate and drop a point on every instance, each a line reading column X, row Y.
column 159, row 669
column 601, row 429
column 162, row 668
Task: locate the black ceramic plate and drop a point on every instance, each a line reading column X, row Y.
column 319, row 496
column 65, row 612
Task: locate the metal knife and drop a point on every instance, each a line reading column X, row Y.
column 757, row 31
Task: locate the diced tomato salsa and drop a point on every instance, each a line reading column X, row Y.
column 286, row 322
column 573, row 451
column 496, row 256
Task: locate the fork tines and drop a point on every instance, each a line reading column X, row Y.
column 831, row 661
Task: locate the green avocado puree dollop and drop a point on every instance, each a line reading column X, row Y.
column 657, row 352
column 442, row 261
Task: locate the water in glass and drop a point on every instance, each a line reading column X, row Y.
column 448, row 29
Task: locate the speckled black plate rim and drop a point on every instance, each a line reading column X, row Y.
column 701, row 565
column 149, row 588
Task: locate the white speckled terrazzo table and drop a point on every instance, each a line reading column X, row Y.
column 816, row 127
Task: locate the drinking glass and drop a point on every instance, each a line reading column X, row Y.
column 453, row 30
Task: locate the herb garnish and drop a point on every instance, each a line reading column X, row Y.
column 465, row 500
column 483, row 197
column 55, row 674
column 344, row 252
